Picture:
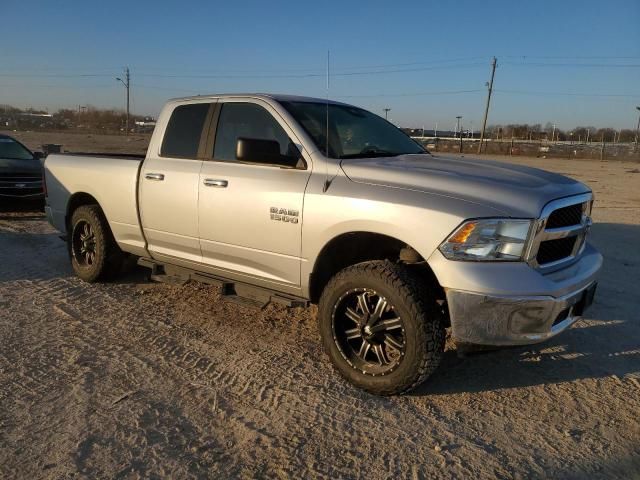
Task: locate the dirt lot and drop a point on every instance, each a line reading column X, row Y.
column 84, row 142
column 136, row 380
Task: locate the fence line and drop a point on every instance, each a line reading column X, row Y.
column 534, row 148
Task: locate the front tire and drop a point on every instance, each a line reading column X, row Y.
column 381, row 330
column 93, row 250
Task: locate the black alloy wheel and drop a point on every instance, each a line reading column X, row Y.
column 94, row 252
column 83, row 247
column 381, row 326
column 368, row 331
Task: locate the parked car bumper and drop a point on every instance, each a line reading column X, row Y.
column 518, row 305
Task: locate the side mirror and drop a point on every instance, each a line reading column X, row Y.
column 257, row 150
column 38, row 155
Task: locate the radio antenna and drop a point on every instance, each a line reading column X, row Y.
column 326, row 136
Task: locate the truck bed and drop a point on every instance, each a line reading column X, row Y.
column 111, row 179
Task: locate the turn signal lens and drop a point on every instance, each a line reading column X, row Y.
column 463, row 233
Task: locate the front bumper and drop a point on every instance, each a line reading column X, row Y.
column 512, row 303
column 492, row 320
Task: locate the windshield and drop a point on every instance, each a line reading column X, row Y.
column 353, row 132
column 11, row 149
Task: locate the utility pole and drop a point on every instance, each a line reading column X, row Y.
column 127, row 85
column 386, row 112
column 486, row 110
column 435, row 132
column 553, row 133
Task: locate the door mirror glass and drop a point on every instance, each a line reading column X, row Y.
column 257, row 150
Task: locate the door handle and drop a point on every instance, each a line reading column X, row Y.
column 210, row 182
column 158, row 177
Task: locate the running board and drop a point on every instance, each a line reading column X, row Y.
column 237, row 292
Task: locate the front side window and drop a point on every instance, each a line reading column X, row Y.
column 184, row 130
column 13, row 150
column 247, row 120
column 353, row 132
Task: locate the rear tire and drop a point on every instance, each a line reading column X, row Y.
column 380, row 328
column 93, row 250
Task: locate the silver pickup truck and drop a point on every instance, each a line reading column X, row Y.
column 301, row 200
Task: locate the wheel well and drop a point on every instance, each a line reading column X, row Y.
column 78, row 200
column 356, row 247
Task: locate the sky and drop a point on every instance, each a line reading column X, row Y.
column 570, row 63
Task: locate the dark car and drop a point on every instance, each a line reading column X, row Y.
column 20, row 171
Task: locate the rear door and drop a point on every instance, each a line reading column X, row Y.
column 169, row 185
column 250, row 214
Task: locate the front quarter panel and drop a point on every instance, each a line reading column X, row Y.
column 419, row 219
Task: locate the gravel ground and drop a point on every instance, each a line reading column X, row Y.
column 84, row 142
column 133, row 379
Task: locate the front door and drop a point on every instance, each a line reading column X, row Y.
column 250, row 214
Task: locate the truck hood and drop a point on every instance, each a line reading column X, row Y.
column 512, row 190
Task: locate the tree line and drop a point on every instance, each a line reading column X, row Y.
column 85, row 117
column 580, row 134
column 88, row 117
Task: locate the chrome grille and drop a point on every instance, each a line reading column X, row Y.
column 554, row 250
column 559, row 233
column 20, row 185
column 20, row 177
column 565, row 216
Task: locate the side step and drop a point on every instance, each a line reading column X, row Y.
column 232, row 291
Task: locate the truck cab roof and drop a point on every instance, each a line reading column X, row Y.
column 264, row 96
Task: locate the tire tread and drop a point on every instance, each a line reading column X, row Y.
column 111, row 258
column 422, row 308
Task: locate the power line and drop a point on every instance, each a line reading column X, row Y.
column 142, row 86
column 430, row 62
column 572, row 65
column 241, row 76
column 575, row 57
column 416, row 94
column 55, row 75
column 248, row 71
column 379, row 70
column 310, row 75
column 569, row 94
column 69, row 87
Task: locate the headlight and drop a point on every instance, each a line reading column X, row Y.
column 492, row 239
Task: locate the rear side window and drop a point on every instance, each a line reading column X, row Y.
column 182, row 137
column 250, row 121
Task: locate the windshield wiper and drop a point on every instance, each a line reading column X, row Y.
column 371, row 154
column 380, row 153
